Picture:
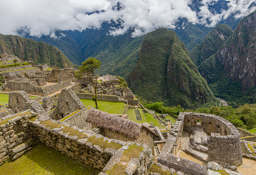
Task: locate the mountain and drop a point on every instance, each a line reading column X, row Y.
column 28, row 49
column 118, row 54
column 231, row 71
column 165, row 72
column 211, row 44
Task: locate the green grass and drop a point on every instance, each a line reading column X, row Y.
column 172, row 120
column 253, row 130
column 106, row 106
column 148, row 118
column 45, row 161
column 48, row 69
column 4, row 98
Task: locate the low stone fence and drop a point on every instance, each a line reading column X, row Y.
column 249, row 138
column 101, row 97
column 244, row 133
column 15, row 136
column 15, row 68
column 130, row 159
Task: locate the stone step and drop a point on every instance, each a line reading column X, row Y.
column 199, row 155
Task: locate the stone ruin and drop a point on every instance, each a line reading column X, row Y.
column 33, row 79
column 101, row 139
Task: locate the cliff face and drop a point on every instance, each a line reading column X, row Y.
column 231, row 70
column 237, row 55
column 165, row 72
column 211, row 44
column 28, row 49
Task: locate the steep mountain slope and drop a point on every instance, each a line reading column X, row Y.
column 234, row 63
column 165, row 72
column 211, row 44
column 27, row 49
column 118, row 54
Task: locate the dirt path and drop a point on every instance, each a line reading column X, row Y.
column 248, row 167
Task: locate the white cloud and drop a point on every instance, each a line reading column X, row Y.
column 44, row 17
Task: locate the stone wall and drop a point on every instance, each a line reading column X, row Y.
column 183, row 165
column 244, row 133
column 31, row 88
column 77, row 148
column 15, row 68
column 68, row 102
column 137, row 165
column 78, row 119
column 101, row 97
column 224, row 146
column 15, row 137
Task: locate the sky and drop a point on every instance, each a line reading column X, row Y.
column 44, row 17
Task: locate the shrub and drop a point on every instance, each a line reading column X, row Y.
column 25, row 63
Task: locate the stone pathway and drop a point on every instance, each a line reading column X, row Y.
column 248, row 167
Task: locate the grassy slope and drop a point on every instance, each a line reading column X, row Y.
column 47, row 161
column 28, row 49
column 106, row 106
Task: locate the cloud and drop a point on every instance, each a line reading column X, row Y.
column 44, row 17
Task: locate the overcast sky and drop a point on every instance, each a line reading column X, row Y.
column 44, row 17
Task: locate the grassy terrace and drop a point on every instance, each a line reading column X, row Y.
column 253, row 130
column 106, row 106
column 4, row 98
column 148, row 118
column 45, row 161
column 19, row 69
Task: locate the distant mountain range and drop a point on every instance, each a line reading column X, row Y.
column 119, row 54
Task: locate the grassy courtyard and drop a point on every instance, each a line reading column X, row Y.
column 45, row 161
column 106, row 106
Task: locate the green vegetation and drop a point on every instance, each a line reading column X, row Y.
column 106, row 106
column 4, row 98
column 89, row 67
column 48, row 69
column 165, row 68
column 122, row 82
column 253, row 130
column 132, row 152
column 157, row 169
column 31, row 50
column 44, row 160
column 210, row 44
column 10, row 65
column 103, row 144
column 146, row 118
column 25, row 63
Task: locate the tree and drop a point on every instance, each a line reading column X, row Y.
column 89, row 66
